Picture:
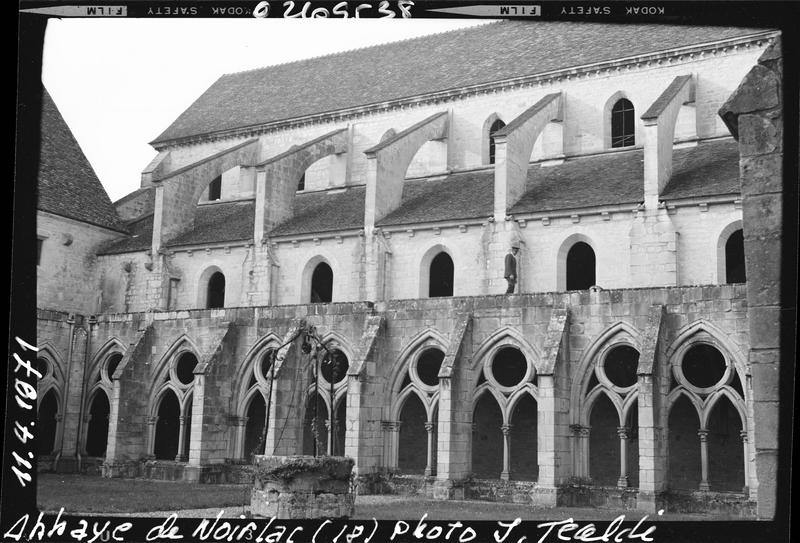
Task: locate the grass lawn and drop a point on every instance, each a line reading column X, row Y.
column 92, row 494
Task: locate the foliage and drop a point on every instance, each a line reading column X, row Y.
column 334, row 468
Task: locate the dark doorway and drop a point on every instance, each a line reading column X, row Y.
column 412, row 453
column 580, row 267
column 47, row 423
column 604, row 442
column 254, row 430
column 315, row 431
column 167, row 427
column 725, row 448
column 683, row 469
column 441, row 276
column 487, row 438
column 734, row 259
column 216, row 291
column 322, row 284
column 339, row 427
column 524, row 464
column 97, row 432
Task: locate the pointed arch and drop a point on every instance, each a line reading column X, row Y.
column 619, row 333
column 400, row 401
column 703, row 329
column 183, row 343
column 506, row 336
column 501, row 400
column 528, row 389
column 430, row 337
column 111, row 346
column 676, row 393
column 159, row 397
column 628, row 403
column 48, row 351
column 486, row 137
column 253, row 356
column 594, row 395
column 713, row 398
column 51, row 387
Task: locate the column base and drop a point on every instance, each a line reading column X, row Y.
column 704, row 487
column 622, row 482
column 505, row 476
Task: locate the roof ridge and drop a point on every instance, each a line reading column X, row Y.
column 363, row 48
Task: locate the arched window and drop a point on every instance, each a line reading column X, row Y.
column 215, row 189
column 622, row 124
column 734, row 258
column 580, row 267
column 322, row 284
column 441, row 276
column 496, row 125
column 216, row 291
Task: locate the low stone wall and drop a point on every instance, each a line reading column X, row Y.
column 298, row 487
column 170, row 470
column 731, row 504
column 88, row 465
column 602, row 497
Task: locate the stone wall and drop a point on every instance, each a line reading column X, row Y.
column 754, row 114
column 66, row 274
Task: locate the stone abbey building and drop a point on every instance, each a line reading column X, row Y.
column 374, row 194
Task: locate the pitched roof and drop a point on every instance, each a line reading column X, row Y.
column 608, row 179
column 221, row 222
column 382, row 73
column 464, row 195
column 67, row 184
column 325, row 212
column 709, row 169
column 140, row 238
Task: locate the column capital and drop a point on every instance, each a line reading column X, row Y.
column 743, row 435
column 580, row 430
column 429, row 426
column 182, row 419
column 622, row 432
column 152, row 420
column 506, row 429
column 703, row 433
column 391, row 425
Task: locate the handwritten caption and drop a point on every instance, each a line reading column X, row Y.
column 25, row 397
column 270, row 531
